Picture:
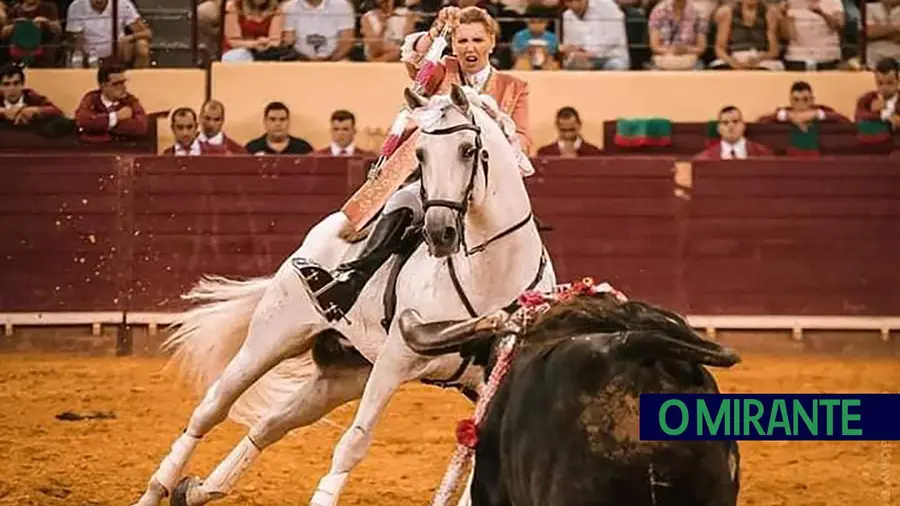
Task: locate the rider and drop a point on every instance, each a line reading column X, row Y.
column 473, row 34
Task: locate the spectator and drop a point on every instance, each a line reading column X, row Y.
column 569, row 143
column 209, row 19
column 277, row 140
column 535, row 48
column 747, row 36
column 184, row 129
column 110, row 112
column 33, row 32
column 732, row 145
column 677, row 35
column 20, row 106
column 343, row 134
column 813, row 29
column 212, row 117
column 881, row 104
column 253, row 31
column 803, row 109
column 383, row 29
column 882, row 30
column 594, row 36
column 90, row 21
column 320, row 30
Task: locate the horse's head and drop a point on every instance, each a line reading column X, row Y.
column 453, row 158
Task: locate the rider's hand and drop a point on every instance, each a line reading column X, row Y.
column 448, row 16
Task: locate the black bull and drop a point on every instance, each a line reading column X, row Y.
column 563, row 427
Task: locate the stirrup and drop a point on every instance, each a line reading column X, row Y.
column 318, row 283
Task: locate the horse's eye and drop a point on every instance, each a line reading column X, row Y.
column 469, row 152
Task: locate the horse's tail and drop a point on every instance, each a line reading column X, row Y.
column 208, row 336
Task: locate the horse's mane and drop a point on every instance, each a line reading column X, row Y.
column 434, row 110
column 604, row 313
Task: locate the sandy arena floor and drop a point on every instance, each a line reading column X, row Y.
column 48, row 462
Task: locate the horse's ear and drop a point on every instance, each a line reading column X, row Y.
column 458, row 98
column 413, row 99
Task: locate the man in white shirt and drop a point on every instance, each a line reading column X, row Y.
column 90, row 21
column 814, row 28
column 320, row 30
column 594, row 36
column 882, row 31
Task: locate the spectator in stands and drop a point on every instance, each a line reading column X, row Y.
column 110, row 112
column 21, row 106
column 320, row 30
column 535, row 48
column 747, row 36
column 253, row 31
column 594, row 36
column 209, row 14
column 569, row 143
column 732, row 145
column 211, row 137
column 803, row 109
column 90, row 22
column 881, row 104
column 813, row 29
column 277, row 140
column 383, row 28
column 184, row 128
column 32, row 32
column 343, row 135
column 882, row 31
column 677, row 32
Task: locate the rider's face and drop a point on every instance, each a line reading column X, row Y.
column 472, row 44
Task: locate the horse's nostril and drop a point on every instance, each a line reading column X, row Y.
column 449, row 234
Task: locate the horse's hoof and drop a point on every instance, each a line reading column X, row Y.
column 180, row 494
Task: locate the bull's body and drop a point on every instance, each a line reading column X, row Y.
column 563, row 430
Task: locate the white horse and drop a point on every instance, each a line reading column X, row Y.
column 251, row 346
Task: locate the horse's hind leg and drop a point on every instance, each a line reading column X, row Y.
column 245, row 368
column 310, row 403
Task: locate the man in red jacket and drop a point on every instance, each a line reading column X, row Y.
column 212, row 138
column 570, row 143
column 20, row 106
column 882, row 104
column 110, row 112
column 732, row 144
column 803, row 109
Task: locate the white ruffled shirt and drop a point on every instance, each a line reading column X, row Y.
column 473, row 87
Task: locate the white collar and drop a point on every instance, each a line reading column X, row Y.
column 106, row 102
column 577, row 144
column 20, row 102
column 736, row 150
column 478, row 79
column 193, row 151
column 216, row 140
column 349, row 150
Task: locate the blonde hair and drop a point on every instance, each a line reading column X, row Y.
column 473, row 14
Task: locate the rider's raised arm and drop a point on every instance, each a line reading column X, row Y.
column 413, row 50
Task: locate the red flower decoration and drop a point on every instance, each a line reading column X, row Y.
column 531, row 299
column 467, row 433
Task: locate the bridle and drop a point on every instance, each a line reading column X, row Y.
column 480, row 159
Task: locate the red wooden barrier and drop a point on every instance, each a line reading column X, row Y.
column 805, row 237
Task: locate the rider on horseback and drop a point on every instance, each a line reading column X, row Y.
column 473, row 37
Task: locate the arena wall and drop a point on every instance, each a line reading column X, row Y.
column 372, row 92
column 750, row 238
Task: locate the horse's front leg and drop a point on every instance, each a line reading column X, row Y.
column 395, row 365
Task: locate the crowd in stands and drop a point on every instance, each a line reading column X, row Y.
column 110, row 113
column 535, row 34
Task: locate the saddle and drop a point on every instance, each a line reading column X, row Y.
column 317, row 277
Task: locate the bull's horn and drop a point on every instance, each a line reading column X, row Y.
column 661, row 345
column 439, row 338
